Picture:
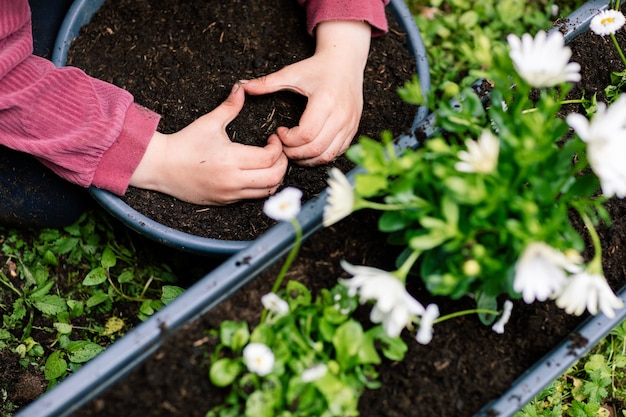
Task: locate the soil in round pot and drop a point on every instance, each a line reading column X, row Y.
column 464, row 367
column 181, row 59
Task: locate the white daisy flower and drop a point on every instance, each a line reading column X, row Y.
column 605, row 136
column 395, row 308
column 498, row 326
column 590, row 291
column 543, row 61
column 314, row 372
column 275, row 304
column 554, row 10
column 258, row 358
column 481, row 155
column 340, row 202
column 425, row 332
column 283, row 206
column 607, row 22
column 540, row 272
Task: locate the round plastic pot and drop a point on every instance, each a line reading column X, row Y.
column 80, row 14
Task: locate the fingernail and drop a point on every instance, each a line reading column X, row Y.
column 243, row 81
column 235, row 87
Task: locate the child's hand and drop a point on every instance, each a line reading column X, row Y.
column 201, row 165
column 332, row 79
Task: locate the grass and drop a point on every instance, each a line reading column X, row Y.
column 67, row 294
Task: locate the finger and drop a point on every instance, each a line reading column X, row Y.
column 336, row 149
column 315, row 118
column 306, row 156
column 230, row 108
column 330, row 142
column 254, row 157
column 277, row 81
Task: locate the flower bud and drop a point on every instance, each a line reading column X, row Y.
column 471, row 268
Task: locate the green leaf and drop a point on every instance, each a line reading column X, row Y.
column 392, row 221
column 347, row 342
column 428, row 241
column 49, row 258
column 95, row 277
column 234, row 334
column 260, row 404
column 96, row 299
column 224, row 371
column 170, row 292
column 55, row 366
column 411, row 92
column 368, row 353
column 126, row 276
column 51, row 305
column 64, row 245
column 82, row 351
column 146, row 308
column 63, row 328
column 370, row 185
column 393, row 348
column 298, row 294
column 580, row 409
column 486, row 302
column 341, row 399
column 41, row 291
column 108, row 258
column 76, row 308
column 113, row 325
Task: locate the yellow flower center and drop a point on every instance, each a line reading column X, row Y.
column 607, row 20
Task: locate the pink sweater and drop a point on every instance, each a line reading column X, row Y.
column 88, row 131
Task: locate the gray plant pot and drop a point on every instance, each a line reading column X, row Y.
column 81, row 13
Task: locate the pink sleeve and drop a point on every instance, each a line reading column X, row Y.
column 370, row 11
column 86, row 130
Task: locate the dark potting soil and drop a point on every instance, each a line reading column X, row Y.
column 464, row 367
column 181, row 59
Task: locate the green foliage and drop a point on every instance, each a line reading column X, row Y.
column 459, row 35
column 591, row 387
column 61, row 289
column 470, row 227
column 313, row 333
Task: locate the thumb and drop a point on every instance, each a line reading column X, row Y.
column 230, row 108
column 276, row 81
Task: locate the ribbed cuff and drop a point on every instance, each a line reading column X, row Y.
column 120, row 161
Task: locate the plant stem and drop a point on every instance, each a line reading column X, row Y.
column 290, row 257
column 402, row 272
column 5, row 280
column 572, row 101
column 619, row 50
column 595, row 265
column 384, row 207
column 467, row 312
column 121, row 294
column 146, row 287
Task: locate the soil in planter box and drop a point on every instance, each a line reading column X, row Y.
column 465, row 366
column 181, row 59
